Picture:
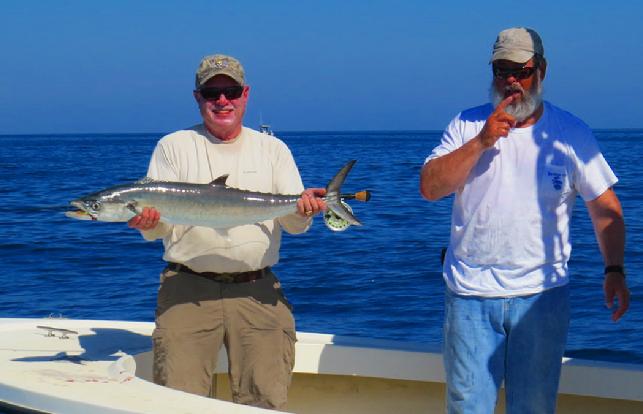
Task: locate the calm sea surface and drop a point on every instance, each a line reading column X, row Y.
column 382, row 280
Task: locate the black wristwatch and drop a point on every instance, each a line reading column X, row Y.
column 614, row 269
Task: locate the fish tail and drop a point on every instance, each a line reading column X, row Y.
column 333, row 198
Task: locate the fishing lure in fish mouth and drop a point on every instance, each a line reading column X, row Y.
column 213, row 205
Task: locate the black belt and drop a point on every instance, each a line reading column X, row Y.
column 233, row 277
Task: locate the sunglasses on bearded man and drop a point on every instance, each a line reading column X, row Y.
column 518, row 73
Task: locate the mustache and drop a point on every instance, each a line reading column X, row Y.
column 513, row 88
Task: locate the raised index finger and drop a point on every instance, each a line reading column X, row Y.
column 504, row 103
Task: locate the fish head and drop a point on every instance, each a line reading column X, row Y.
column 102, row 206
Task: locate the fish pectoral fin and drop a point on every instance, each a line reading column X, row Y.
column 132, row 207
column 220, row 181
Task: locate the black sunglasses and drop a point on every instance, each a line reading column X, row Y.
column 519, row 73
column 213, row 93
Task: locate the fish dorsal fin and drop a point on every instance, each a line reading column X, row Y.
column 145, row 180
column 220, row 181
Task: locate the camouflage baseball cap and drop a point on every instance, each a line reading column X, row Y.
column 518, row 44
column 219, row 65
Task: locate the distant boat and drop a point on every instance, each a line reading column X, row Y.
column 265, row 129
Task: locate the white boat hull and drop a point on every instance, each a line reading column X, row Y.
column 90, row 372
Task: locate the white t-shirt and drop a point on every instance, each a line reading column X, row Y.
column 253, row 161
column 510, row 220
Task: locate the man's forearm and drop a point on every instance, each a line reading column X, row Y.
column 610, row 234
column 444, row 175
column 609, row 226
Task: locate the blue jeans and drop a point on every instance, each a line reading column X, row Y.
column 520, row 340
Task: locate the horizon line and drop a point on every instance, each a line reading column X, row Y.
column 339, row 131
column 378, row 131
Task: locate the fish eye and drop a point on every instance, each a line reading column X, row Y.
column 95, row 205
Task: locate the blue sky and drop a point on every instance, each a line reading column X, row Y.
column 128, row 66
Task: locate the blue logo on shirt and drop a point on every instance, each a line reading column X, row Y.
column 556, row 180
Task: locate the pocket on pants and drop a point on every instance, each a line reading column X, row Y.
column 280, row 292
column 290, row 338
column 159, row 354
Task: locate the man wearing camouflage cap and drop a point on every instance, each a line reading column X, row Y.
column 218, row 288
column 516, row 167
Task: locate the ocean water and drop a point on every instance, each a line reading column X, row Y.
column 382, row 280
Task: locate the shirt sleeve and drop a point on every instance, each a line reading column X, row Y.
column 593, row 174
column 451, row 140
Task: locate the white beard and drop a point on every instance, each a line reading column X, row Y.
column 526, row 106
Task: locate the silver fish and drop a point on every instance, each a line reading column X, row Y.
column 213, row 205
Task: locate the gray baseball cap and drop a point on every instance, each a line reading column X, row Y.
column 214, row 65
column 518, row 44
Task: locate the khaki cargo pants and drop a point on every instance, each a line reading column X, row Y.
column 196, row 315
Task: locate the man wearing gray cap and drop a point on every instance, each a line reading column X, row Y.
column 218, row 288
column 516, row 166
